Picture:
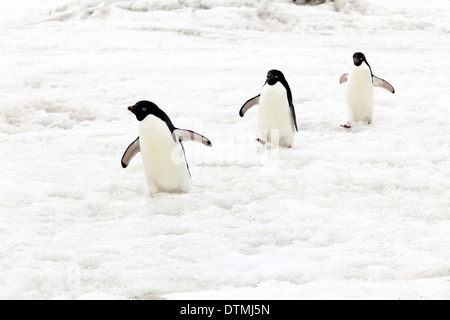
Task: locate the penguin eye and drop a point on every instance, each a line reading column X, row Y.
column 276, row 77
column 144, row 109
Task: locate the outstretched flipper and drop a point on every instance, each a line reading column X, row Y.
column 131, row 151
column 378, row 82
column 343, row 78
column 189, row 135
column 250, row 103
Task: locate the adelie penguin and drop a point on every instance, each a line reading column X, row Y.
column 277, row 123
column 161, row 147
column 359, row 95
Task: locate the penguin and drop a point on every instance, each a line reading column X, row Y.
column 359, row 91
column 276, row 112
column 160, row 143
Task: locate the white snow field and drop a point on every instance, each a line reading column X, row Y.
column 345, row 214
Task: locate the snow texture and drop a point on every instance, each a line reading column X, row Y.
column 346, row 214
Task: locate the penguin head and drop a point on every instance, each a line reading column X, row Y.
column 143, row 108
column 273, row 76
column 359, row 58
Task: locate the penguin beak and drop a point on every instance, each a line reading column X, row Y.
column 131, row 109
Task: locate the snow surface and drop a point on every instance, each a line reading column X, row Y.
column 346, row 214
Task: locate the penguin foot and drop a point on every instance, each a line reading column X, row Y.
column 261, row 141
column 347, row 125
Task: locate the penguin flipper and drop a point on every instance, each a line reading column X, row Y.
column 343, row 78
column 131, row 151
column 378, row 82
column 189, row 135
column 293, row 116
column 250, row 103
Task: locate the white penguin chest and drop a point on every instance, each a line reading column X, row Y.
column 359, row 94
column 274, row 105
column 164, row 161
column 360, row 82
column 159, row 152
column 154, row 135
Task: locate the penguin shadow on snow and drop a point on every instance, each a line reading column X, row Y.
column 359, row 91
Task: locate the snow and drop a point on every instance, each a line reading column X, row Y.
column 353, row 214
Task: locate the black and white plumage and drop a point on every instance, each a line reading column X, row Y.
column 277, row 121
column 359, row 93
column 161, row 147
